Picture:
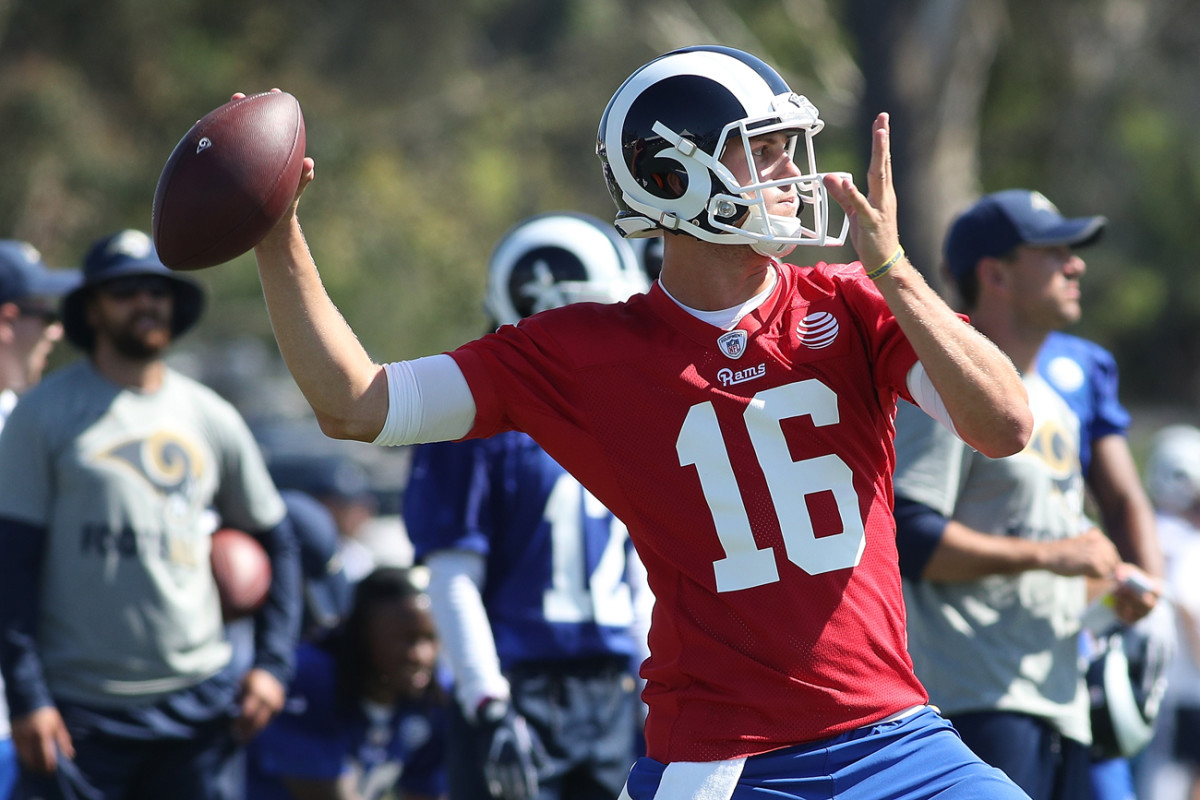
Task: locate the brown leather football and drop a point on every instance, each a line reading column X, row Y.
column 242, row 571
column 228, row 181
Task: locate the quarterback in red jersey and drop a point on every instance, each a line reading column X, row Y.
column 775, row 501
column 738, row 418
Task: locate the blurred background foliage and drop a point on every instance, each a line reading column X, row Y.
column 437, row 125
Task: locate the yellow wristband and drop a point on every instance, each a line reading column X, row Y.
column 879, row 271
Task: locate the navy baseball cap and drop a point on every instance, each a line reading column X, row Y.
column 125, row 253
column 25, row 277
column 1000, row 221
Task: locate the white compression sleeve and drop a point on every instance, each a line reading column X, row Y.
column 927, row 397
column 462, row 622
column 428, row 401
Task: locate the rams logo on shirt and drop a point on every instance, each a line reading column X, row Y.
column 168, row 464
column 168, row 469
column 1058, row 448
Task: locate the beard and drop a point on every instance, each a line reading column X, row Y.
column 139, row 342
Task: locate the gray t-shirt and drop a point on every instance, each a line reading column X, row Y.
column 129, row 487
column 1006, row 642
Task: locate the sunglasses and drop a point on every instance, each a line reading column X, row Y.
column 47, row 315
column 125, row 288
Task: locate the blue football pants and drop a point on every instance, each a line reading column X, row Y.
column 917, row 757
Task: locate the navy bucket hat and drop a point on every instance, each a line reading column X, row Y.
column 125, row 253
column 999, row 222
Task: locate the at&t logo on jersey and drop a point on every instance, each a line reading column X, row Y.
column 729, row 377
column 818, row 330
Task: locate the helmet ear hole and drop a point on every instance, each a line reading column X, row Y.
column 664, row 178
column 665, row 182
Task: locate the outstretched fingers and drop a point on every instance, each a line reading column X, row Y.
column 842, row 189
column 880, row 188
column 873, row 228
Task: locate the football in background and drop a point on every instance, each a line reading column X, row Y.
column 242, row 572
column 228, row 181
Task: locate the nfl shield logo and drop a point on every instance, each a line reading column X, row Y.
column 733, row 343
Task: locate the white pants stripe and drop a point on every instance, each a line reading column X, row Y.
column 697, row 780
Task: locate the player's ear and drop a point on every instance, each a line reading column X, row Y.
column 8, row 315
column 992, row 273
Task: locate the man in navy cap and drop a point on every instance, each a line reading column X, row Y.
column 120, row 676
column 29, row 324
column 995, row 552
column 29, row 330
column 1086, row 376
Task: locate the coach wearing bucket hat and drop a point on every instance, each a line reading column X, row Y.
column 124, row 264
column 114, row 472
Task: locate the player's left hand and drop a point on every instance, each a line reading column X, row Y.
column 513, row 755
column 873, row 227
column 262, row 698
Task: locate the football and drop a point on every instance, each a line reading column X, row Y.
column 242, row 572
column 228, row 181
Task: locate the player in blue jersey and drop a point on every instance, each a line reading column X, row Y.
column 365, row 717
column 1085, row 375
column 535, row 585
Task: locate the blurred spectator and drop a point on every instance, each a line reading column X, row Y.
column 1170, row 767
column 342, row 486
column 995, row 552
column 121, row 681
column 1086, row 376
column 365, row 715
column 327, row 590
column 29, row 330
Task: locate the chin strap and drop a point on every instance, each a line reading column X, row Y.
column 772, row 225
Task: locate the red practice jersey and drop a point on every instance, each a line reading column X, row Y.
column 753, row 469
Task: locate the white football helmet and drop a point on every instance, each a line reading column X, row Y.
column 1126, row 679
column 666, row 128
column 1173, row 469
column 552, row 260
